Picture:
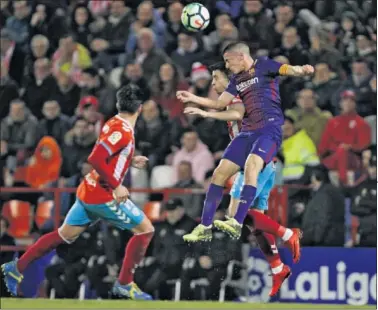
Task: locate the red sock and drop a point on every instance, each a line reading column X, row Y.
column 267, row 244
column 266, row 224
column 135, row 250
column 44, row 245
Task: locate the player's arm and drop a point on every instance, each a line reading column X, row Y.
column 222, row 102
column 102, row 151
column 296, row 70
column 234, row 113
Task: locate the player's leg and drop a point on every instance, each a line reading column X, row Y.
column 233, row 158
column 75, row 223
column 235, row 192
column 127, row 216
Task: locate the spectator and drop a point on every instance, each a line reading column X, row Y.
column 147, row 54
column 224, row 34
column 44, row 166
column 291, row 47
column 323, row 219
column 49, row 20
column 194, row 151
column 8, row 89
column 344, row 136
column 164, row 86
column 187, row 53
column 71, row 58
column 12, row 56
column 78, row 144
column 133, row 73
column 151, row 134
column 323, row 50
column 81, row 19
column 298, row 151
column 308, row 116
column 173, row 26
column 18, row 24
column 289, row 86
column 93, row 84
column 54, row 124
column 213, row 40
column 359, row 82
column 256, row 26
column 230, row 7
column 192, row 202
column 346, row 35
column 324, row 84
column 210, row 261
column 99, row 8
column 39, row 48
column 41, row 88
column 200, row 78
column 88, row 109
column 169, row 249
column 66, row 93
column 365, row 207
column 110, row 42
column 18, row 131
column 147, row 17
column 5, row 12
column 366, row 49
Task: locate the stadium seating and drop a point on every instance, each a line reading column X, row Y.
column 43, row 213
column 20, row 216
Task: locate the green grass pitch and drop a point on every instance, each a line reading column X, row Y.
column 13, row 303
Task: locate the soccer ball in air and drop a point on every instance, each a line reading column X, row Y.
column 195, row 17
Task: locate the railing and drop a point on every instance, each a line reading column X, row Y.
column 278, row 201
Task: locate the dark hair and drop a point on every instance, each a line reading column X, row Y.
column 320, row 173
column 185, row 162
column 129, row 98
column 219, row 66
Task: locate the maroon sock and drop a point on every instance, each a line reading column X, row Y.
column 266, row 224
column 135, row 250
column 267, row 244
column 43, row 246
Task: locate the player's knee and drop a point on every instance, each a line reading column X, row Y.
column 220, row 176
column 67, row 234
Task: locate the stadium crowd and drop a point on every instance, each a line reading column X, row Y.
column 62, row 62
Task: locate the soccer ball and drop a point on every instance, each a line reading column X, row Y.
column 195, row 17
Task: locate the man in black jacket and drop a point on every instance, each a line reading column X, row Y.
column 5, row 239
column 323, row 219
column 365, row 207
column 169, row 250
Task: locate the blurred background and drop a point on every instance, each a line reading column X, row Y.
column 62, row 62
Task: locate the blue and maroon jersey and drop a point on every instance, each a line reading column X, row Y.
column 259, row 90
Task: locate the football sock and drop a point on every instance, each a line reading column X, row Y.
column 43, row 246
column 246, row 199
column 267, row 244
column 213, row 197
column 266, row 224
column 135, row 250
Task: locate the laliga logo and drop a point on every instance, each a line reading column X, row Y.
column 259, row 280
column 353, row 288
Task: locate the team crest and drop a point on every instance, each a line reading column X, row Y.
column 115, row 137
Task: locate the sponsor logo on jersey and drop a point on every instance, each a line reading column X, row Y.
column 244, row 85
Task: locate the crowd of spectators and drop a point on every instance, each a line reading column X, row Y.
column 62, row 62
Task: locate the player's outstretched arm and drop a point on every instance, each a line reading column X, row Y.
column 222, row 102
column 296, row 70
column 235, row 113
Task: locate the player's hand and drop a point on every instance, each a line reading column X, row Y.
column 121, row 194
column 139, row 161
column 308, row 70
column 185, row 96
column 195, row 111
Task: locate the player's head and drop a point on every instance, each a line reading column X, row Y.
column 236, row 56
column 220, row 77
column 129, row 99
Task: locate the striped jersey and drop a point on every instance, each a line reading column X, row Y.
column 234, row 126
column 117, row 137
column 258, row 88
